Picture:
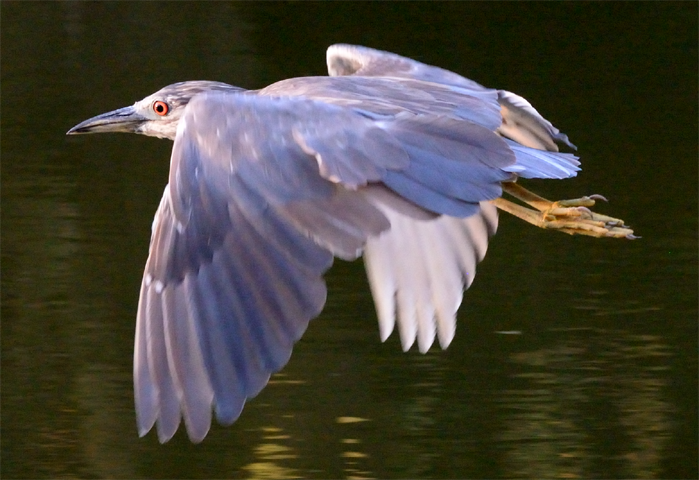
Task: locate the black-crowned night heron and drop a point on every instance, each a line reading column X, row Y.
column 389, row 157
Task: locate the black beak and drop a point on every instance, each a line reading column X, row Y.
column 122, row 120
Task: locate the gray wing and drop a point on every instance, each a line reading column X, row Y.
column 262, row 193
column 346, row 59
column 422, row 292
column 517, row 120
column 418, row 270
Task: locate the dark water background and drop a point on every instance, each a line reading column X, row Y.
column 602, row 380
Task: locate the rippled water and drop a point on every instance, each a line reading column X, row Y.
column 574, row 357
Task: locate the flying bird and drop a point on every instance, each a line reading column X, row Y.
column 387, row 158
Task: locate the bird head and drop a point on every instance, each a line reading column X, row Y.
column 157, row 115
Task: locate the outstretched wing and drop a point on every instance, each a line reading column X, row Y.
column 521, row 122
column 422, row 292
column 346, row 59
column 262, row 193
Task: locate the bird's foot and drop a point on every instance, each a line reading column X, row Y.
column 575, row 218
column 569, row 216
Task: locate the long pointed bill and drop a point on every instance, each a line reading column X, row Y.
column 122, row 120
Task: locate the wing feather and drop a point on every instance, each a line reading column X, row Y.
column 448, row 251
column 187, row 363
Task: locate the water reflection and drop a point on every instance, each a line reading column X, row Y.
column 271, row 454
column 354, row 455
column 354, row 460
column 592, row 405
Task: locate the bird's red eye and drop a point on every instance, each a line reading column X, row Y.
column 161, row 108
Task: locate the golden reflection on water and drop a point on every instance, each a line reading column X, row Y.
column 270, row 454
column 275, row 452
column 596, row 391
column 353, row 457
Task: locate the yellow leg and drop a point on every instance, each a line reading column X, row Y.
column 568, row 216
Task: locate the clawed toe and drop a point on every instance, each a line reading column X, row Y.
column 568, row 216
